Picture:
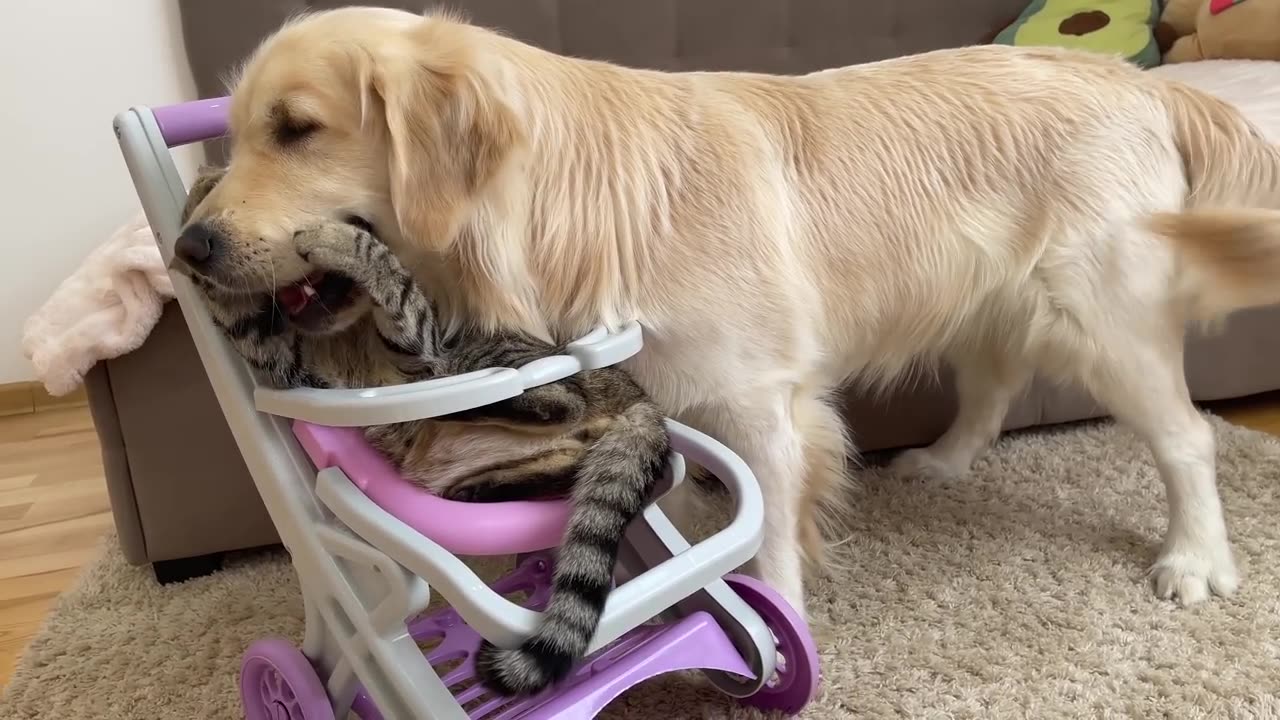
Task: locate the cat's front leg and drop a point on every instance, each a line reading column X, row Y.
column 404, row 316
column 354, row 252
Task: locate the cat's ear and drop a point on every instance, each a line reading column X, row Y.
column 207, row 178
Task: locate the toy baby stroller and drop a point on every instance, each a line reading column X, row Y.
column 369, row 547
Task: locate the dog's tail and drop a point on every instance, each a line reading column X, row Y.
column 1228, row 161
column 1231, row 258
column 1229, row 235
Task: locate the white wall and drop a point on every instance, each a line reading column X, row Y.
column 66, row 68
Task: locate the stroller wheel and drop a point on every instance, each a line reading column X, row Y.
column 277, row 682
column 795, row 681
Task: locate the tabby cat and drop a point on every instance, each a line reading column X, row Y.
column 360, row 321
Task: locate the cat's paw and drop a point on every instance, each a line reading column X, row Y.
column 328, row 246
column 484, row 492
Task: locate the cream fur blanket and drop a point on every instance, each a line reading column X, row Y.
column 106, row 308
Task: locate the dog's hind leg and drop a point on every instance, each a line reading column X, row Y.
column 1141, row 381
column 987, row 381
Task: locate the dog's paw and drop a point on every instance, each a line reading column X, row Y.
column 328, row 246
column 926, row 464
column 1191, row 576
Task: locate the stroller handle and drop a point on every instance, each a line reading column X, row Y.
column 190, row 122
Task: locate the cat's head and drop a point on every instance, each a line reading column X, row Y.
column 325, row 303
column 320, row 304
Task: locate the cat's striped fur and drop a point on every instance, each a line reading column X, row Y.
column 594, row 436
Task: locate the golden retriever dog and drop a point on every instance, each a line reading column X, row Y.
column 1007, row 210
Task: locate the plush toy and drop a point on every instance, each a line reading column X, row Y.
column 1220, row 30
column 1116, row 27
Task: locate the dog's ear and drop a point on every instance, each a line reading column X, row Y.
column 449, row 134
column 206, row 178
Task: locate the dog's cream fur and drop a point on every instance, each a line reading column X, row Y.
column 1007, row 210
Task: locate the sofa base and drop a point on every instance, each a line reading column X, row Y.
column 168, row 572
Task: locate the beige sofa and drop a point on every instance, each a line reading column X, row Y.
column 181, row 494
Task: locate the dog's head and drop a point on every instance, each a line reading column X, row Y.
column 321, row 303
column 367, row 113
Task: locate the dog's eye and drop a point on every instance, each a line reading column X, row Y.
column 291, row 131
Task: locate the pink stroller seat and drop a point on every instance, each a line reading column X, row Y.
column 462, row 528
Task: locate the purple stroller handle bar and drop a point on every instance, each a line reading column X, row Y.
column 189, row 122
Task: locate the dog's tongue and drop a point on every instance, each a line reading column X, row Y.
column 296, row 297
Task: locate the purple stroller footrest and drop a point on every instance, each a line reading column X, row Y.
column 694, row 642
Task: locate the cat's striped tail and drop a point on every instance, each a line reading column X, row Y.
column 614, row 480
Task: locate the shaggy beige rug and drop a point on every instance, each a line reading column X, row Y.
column 1017, row 592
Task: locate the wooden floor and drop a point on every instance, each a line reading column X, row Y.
column 1261, row 412
column 53, row 509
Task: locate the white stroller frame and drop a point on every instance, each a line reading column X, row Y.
column 363, row 572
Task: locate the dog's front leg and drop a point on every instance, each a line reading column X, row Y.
column 762, row 431
column 986, row 383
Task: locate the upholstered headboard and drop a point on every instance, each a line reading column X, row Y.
column 779, row 36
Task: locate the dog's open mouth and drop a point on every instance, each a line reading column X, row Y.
column 316, row 296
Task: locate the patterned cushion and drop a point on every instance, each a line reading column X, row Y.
column 1119, row 27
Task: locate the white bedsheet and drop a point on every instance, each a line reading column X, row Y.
column 1251, row 85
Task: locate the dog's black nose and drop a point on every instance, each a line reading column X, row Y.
column 197, row 243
